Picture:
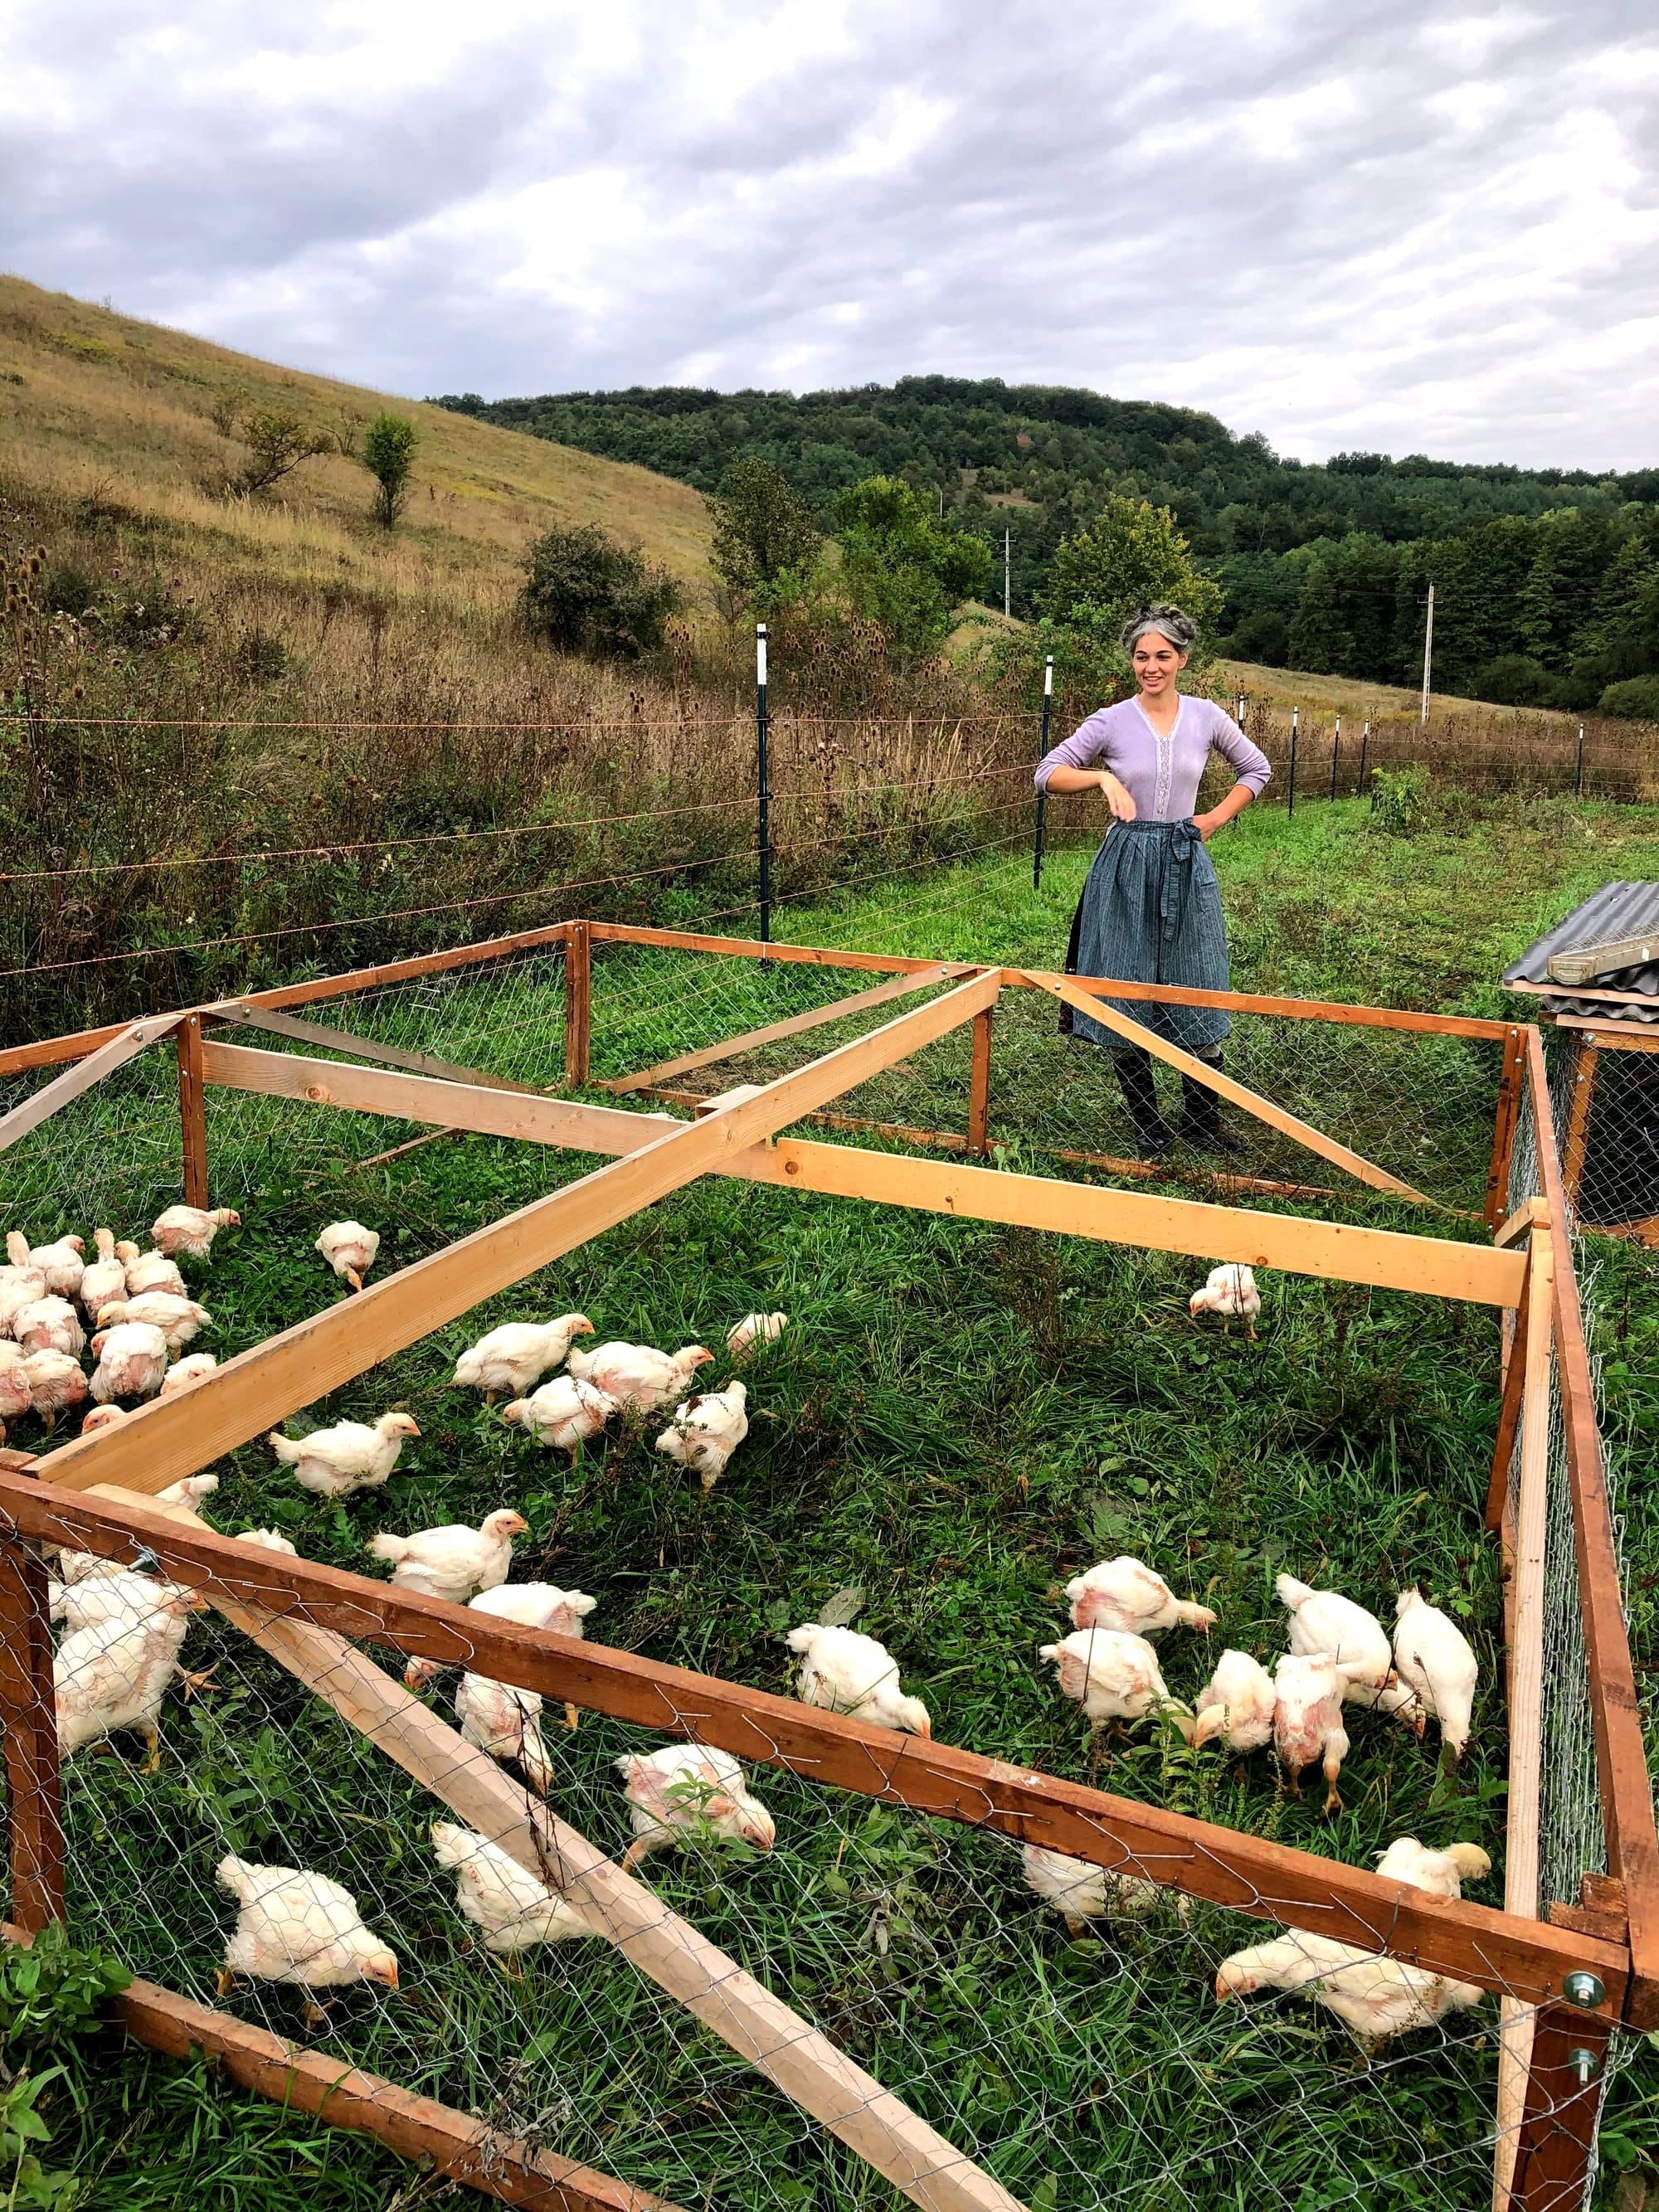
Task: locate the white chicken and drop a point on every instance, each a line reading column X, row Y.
column 1113, row 1677
column 19, row 1287
column 1443, row 1873
column 149, row 1271
column 498, row 1895
column 177, row 1319
column 1080, row 1891
column 1231, row 1292
column 707, row 1430
column 133, row 1358
column 350, row 1456
column 191, row 1228
column 114, row 1673
column 636, row 1374
column 847, row 1672
column 267, row 1539
column 688, row 1790
column 1355, row 1640
column 1435, row 1661
column 562, row 1413
column 350, row 1248
column 50, row 1324
column 190, row 1490
column 56, row 1383
column 86, row 1566
column 103, row 1417
column 105, row 1279
column 527, row 1605
column 454, row 1560
column 183, row 1372
column 301, row 1929
column 516, row 1356
column 16, row 1394
column 1308, row 1727
column 124, row 1595
column 754, row 1331
column 1124, row 1595
column 1376, row 1998
column 507, row 1723
column 1237, row 1704
column 59, row 1265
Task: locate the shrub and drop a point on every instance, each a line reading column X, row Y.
column 766, row 543
column 1400, row 799
column 1514, row 679
column 584, row 594
column 277, row 441
column 49, row 1992
column 388, row 455
column 901, row 568
column 1263, row 636
column 1636, row 700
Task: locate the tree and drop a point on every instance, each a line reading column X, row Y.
column 277, row 441
column 1131, row 555
column 766, row 543
column 901, row 568
column 1318, row 641
column 584, row 594
column 388, row 455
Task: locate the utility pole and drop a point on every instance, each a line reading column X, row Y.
column 1428, row 655
column 1008, row 537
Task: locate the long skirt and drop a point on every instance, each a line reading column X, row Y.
column 1150, row 913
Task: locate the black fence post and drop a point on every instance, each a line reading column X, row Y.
column 1290, row 796
column 1359, row 780
column 1336, row 747
column 1048, row 703
column 1578, row 772
column 763, row 784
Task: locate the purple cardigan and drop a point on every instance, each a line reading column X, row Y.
column 1160, row 774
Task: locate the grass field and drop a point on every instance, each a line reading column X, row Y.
column 959, row 1418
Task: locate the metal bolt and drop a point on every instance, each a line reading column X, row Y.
column 144, row 1560
column 1584, row 1988
column 1586, row 2064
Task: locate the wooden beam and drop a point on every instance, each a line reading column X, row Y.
column 174, row 1435
column 1611, row 1036
column 1246, row 1873
column 1621, row 1761
column 369, row 1048
column 979, row 1088
column 1276, row 1117
column 192, row 1123
column 578, row 1003
column 1531, row 1214
column 751, row 948
column 1508, row 1412
column 46, row 1102
column 29, row 1717
column 1582, row 963
column 1290, row 1010
column 1511, row 1082
column 1587, row 1061
column 1556, row 2141
column 815, row 1017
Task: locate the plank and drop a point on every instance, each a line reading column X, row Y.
column 192, row 1120
column 370, row 1048
column 29, row 1717
column 578, row 1003
column 172, row 1437
column 1508, row 1415
column 796, row 1025
column 979, row 1087
column 1582, row 963
column 1249, row 1873
column 1276, row 1117
column 752, row 948
column 1556, row 2141
column 1609, row 1038
column 1622, row 1763
column 1256, row 1002
column 1531, row 1214
column 1511, row 1081
column 50, row 1097
column 1383, row 1258
column 1587, row 1065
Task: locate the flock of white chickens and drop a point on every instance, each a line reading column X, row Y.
column 124, row 1631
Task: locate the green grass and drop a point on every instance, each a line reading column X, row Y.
column 959, row 1418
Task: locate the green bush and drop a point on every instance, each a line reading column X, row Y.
column 52, row 1990
column 584, row 594
column 1636, row 700
column 388, row 455
column 1514, row 679
column 1400, row 800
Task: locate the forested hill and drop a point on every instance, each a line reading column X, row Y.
column 1323, row 564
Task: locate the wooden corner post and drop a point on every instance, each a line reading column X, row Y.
column 577, row 1001
column 1512, row 1083
column 29, row 1718
column 979, row 1086
column 192, row 1118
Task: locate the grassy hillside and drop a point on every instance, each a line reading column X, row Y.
column 1354, row 698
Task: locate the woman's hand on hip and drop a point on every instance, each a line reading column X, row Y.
column 1117, row 797
column 1207, row 825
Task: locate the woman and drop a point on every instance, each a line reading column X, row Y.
column 1151, row 910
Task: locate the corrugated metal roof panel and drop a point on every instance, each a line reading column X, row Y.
column 1616, row 910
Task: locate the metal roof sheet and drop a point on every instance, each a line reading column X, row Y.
column 1616, row 910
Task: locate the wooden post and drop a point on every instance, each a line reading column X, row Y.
column 1586, row 1066
column 1558, row 2131
column 1511, row 1081
column 577, row 1001
column 28, row 1716
column 192, row 1120
column 979, row 1087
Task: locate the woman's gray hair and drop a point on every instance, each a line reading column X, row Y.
column 1169, row 622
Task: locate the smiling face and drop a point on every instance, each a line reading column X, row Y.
column 1157, row 664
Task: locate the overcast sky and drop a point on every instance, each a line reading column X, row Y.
column 1347, row 223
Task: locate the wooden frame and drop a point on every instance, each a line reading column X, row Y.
column 1525, row 1273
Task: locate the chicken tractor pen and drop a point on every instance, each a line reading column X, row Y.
column 862, row 1991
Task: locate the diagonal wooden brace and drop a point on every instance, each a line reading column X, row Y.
column 83, row 1075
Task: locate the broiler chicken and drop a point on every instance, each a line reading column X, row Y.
column 106, row 1277
column 16, row 1394
column 183, row 1372
column 1231, row 1292
column 301, row 1929
column 191, row 1228
column 1443, row 1873
column 267, row 1539
column 149, row 1271
column 132, row 1359
column 1124, row 1595
column 499, row 1896
column 507, row 1723
column 56, row 1383
column 189, row 1491
column 708, row 1429
column 686, row 1791
column 636, row 1374
column 334, row 1462
column 350, row 1248
column 103, row 1417
column 19, row 1287
column 1376, row 1998
column 1080, row 1891
column 50, row 1324
column 114, row 1673
column 1436, row 1663
column 1237, row 1704
column 452, row 1561
column 847, row 1672
column 1353, row 1639
column 1308, row 1727
column 124, row 1595
column 60, row 1265
column 754, row 1332
column 562, row 1413
column 528, row 1605
column 177, row 1319
column 86, row 1566
column 516, row 1356
column 1113, row 1677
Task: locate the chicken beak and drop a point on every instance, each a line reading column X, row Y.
column 386, row 1975
column 1224, row 1994
column 354, row 1279
column 414, row 1425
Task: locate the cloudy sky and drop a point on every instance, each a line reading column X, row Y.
column 1361, row 223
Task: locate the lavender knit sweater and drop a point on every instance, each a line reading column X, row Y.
column 1161, row 774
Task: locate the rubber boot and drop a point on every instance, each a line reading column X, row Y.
column 1200, row 1119
column 1135, row 1078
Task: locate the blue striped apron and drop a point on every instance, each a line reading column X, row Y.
column 1150, row 913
